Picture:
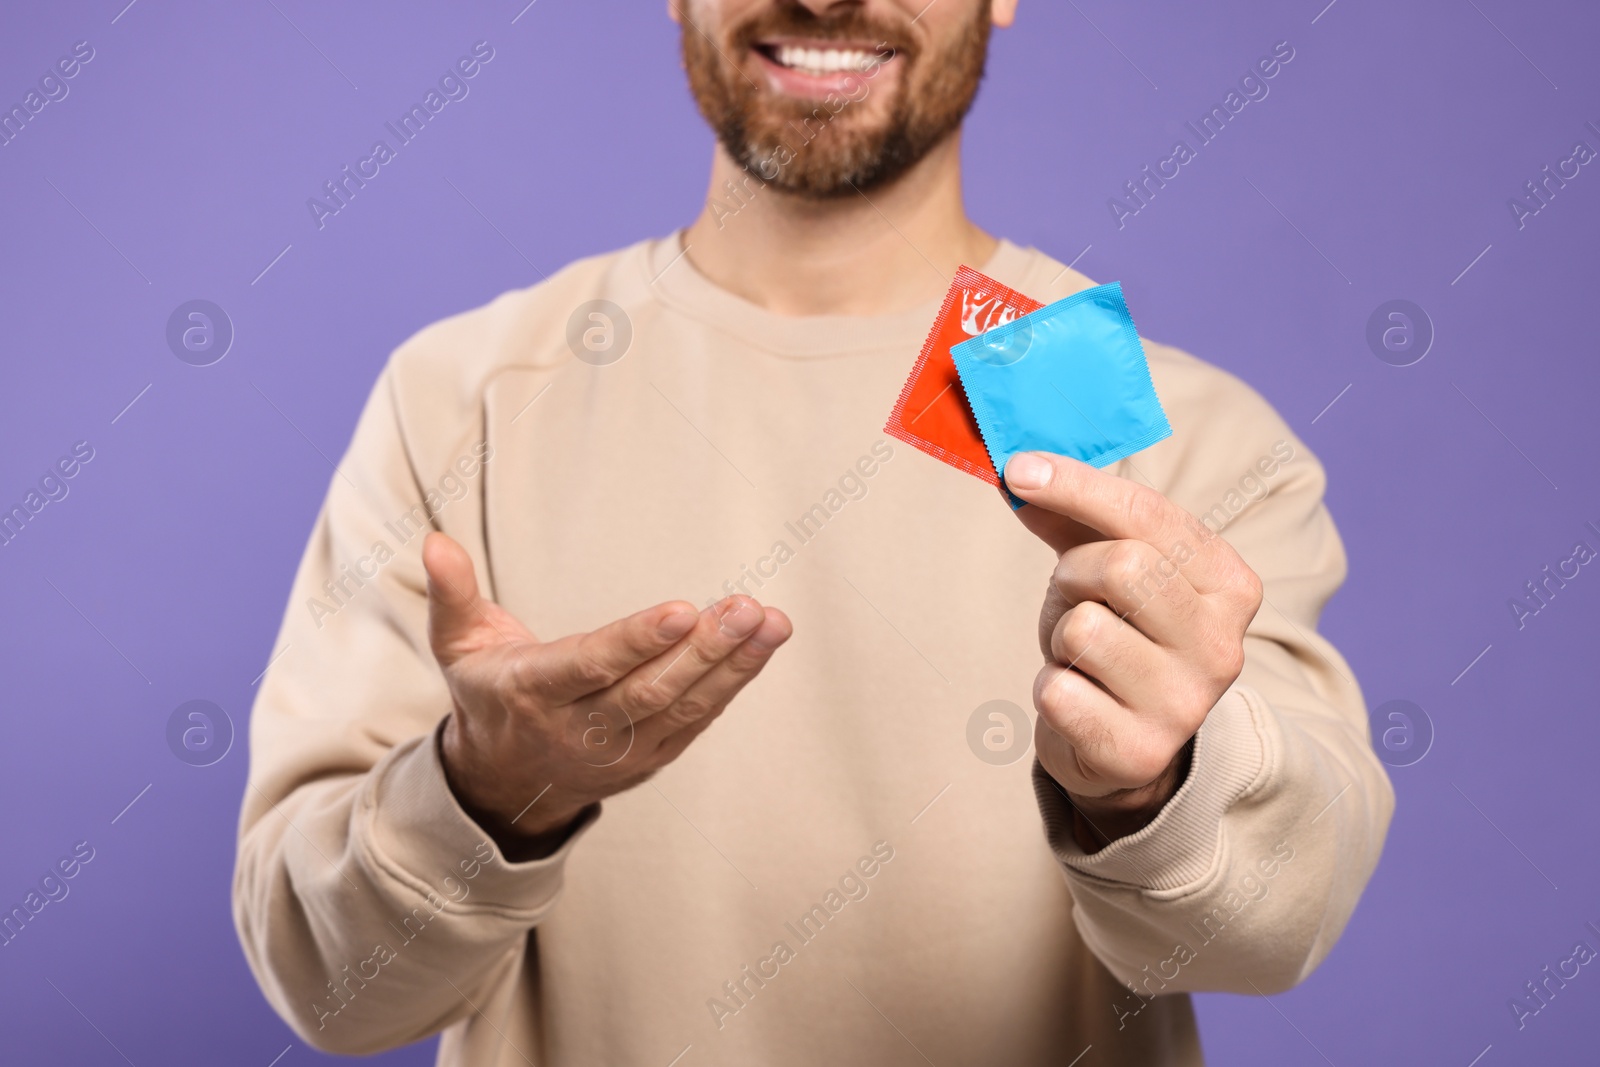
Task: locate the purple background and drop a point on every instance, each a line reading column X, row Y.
column 192, row 140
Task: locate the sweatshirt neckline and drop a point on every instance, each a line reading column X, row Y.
column 673, row 280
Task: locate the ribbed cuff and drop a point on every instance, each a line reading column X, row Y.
column 418, row 834
column 1182, row 845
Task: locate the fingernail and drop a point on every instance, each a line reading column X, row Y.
column 767, row 638
column 676, row 625
column 1027, row 470
column 741, row 619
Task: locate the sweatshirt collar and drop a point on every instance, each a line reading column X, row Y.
column 675, row 282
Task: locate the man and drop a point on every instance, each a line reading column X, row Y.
column 493, row 792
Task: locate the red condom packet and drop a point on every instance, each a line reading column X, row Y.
column 932, row 413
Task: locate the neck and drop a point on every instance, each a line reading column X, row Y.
column 889, row 250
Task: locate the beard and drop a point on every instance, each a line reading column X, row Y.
column 824, row 150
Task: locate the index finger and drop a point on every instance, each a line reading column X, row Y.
column 581, row 664
column 1069, row 495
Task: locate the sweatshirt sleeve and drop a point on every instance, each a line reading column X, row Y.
column 1248, row 875
column 372, row 909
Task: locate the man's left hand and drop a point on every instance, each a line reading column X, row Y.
column 1142, row 629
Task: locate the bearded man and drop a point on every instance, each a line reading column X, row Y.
column 493, row 793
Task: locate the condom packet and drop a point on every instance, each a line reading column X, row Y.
column 1070, row 379
column 932, row 413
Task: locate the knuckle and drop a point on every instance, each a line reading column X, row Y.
column 688, row 713
column 1253, row 590
column 1063, row 703
column 526, row 677
column 1126, row 564
column 702, row 655
column 1144, row 508
column 1052, row 692
column 1077, row 630
column 1066, row 571
column 1225, row 656
column 524, row 687
column 646, row 697
column 1245, row 589
column 746, row 661
column 593, row 672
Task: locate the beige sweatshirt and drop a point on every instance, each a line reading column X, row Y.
column 830, row 874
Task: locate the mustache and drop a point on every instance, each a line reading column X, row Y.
column 850, row 25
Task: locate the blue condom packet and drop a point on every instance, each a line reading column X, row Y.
column 1070, row 378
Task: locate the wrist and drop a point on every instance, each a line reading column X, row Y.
column 522, row 828
column 1098, row 821
column 526, row 839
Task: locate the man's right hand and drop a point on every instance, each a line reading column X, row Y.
column 543, row 729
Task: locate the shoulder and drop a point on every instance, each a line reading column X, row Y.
column 447, row 364
column 1235, row 464
column 1203, row 401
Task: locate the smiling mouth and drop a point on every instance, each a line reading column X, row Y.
column 822, row 58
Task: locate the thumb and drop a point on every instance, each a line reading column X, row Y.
column 1056, row 530
column 1059, row 531
column 455, row 609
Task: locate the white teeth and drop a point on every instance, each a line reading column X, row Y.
column 829, row 61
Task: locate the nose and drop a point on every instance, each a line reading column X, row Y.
column 829, row 7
